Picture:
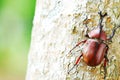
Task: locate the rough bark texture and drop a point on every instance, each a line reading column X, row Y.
column 58, row 26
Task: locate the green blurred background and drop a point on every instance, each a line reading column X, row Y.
column 16, row 17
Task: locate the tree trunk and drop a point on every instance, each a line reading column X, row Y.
column 58, row 26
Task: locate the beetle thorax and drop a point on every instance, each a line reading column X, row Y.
column 95, row 33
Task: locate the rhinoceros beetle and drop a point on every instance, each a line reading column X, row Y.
column 95, row 48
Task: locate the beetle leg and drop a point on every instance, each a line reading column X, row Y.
column 77, row 45
column 85, row 22
column 105, row 62
column 113, row 32
column 105, row 70
column 76, row 63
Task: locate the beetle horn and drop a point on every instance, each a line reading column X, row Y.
column 101, row 17
column 113, row 32
column 101, row 20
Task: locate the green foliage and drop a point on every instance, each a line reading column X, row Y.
column 16, row 18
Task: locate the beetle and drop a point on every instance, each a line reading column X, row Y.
column 95, row 48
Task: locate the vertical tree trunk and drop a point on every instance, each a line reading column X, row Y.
column 58, row 26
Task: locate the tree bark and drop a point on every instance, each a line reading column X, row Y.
column 58, row 26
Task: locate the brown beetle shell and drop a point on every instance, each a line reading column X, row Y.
column 93, row 52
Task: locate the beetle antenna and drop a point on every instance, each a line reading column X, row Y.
column 113, row 32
